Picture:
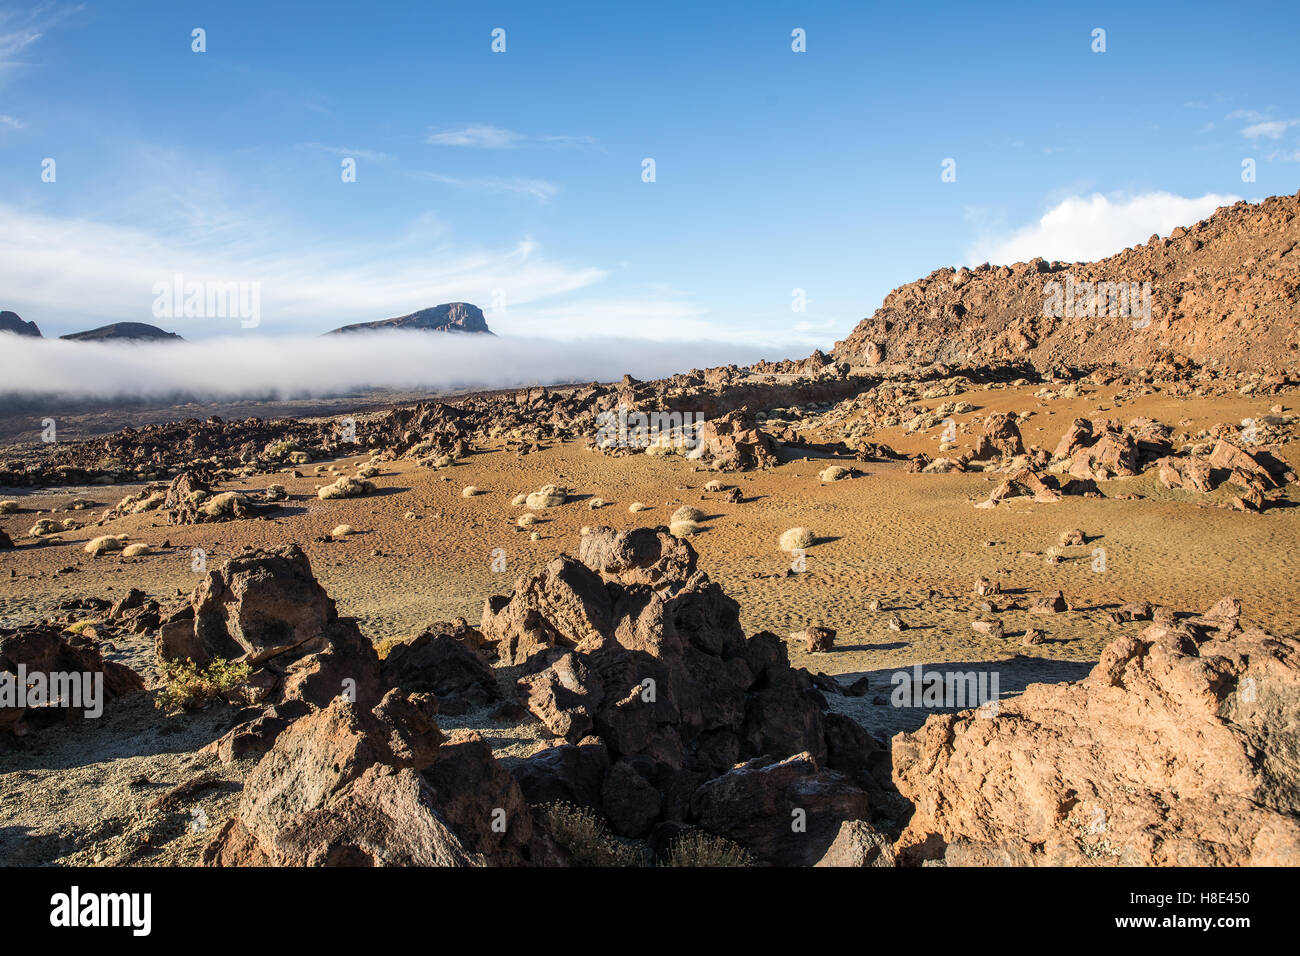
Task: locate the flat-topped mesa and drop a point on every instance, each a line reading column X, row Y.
column 124, row 332
column 1222, row 291
column 449, row 317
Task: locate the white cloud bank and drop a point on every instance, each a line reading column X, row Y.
column 252, row 365
column 1085, row 228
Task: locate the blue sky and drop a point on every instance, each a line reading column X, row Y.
column 520, row 172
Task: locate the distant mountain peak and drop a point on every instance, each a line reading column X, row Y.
column 124, row 332
column 10, row 322
column 448, row 317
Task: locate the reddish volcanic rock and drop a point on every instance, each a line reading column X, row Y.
column 1178, row 749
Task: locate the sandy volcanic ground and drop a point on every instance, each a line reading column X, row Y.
column 83, row 796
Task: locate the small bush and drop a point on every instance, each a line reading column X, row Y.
column 687, row 513
column 342, row 531
column 275, row 493
column 714, row 485
column 189, row 687
column 109, row 542
column 150, row 502
column 136, row 550
column 226, row 503
column 281, row 448
column 551, row 496
column 834, row 473
column 580, row 831
column 8, row 507
column 684, row 529
column 519, row 500
column 797, row 538
column 637, row 506
column 346, row 487
column 526, row 520
column 700, row 848
column 471, row 491
column 43, row 527
column 595, row 503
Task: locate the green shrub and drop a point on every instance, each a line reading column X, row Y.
column 189, row 687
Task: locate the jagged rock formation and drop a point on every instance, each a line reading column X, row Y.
column 1221, row 291
column 450, row 317
column 636, row 659
column 266, row 608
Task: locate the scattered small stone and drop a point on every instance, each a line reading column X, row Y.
column 1053, row 603
column 817, row 640
column 987, row 628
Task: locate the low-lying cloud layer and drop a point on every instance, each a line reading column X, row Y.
column 303, row 367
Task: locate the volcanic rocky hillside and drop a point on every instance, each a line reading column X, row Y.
column 124, row 332
column 449, row 317
column 1222, row 291
column 10, row 322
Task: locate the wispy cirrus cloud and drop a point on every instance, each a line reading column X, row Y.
column 20, row 29
column 9, row 122
column 485, row 136
column 1273, row 129
column 1261, row 125
column 371, row 155
column 540, row 189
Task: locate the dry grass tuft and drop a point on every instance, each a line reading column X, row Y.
column 551, row 496
column 346, row 487
column 580, row 831
column 797, row 538
column 102, row 545
column 700, row 848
